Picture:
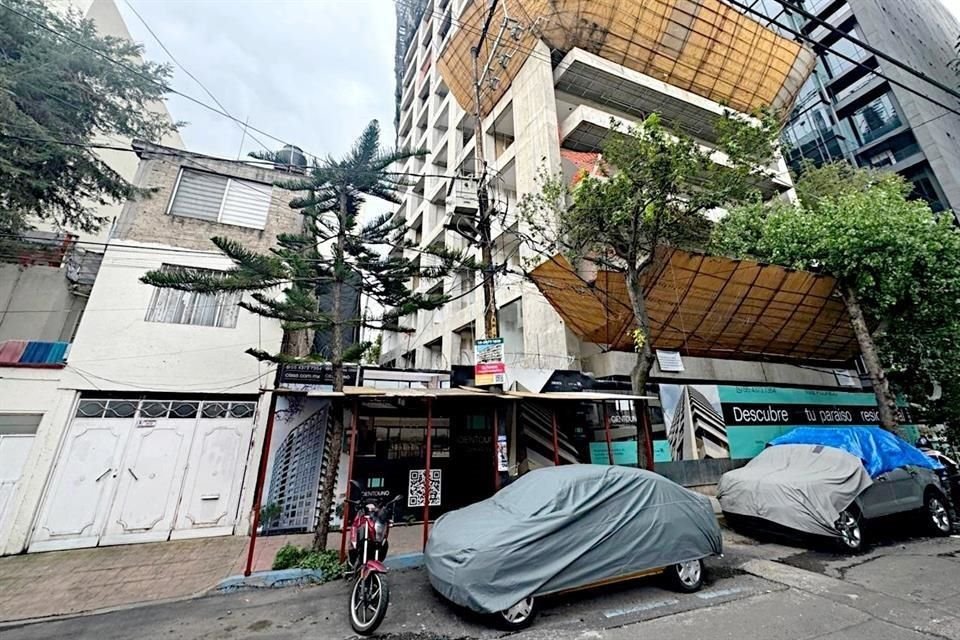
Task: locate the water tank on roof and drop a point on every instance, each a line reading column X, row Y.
column 291, row 157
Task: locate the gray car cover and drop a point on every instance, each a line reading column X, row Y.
column 564, row 527
column 800, row 486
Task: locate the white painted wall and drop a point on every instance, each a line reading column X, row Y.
column 32, row 391
column 116, row 349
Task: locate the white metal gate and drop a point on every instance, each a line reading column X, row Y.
column 146, row 470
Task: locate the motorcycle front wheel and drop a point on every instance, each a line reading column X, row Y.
column 368, row 603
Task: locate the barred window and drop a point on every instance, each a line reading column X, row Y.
column 189, row 307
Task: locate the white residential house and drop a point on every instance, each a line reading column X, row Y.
column 44, row 287
column 148, row 433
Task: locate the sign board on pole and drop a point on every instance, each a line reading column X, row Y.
column 489, row 368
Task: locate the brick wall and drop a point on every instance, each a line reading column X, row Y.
column 146, row 219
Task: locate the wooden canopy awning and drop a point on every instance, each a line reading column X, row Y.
column 708, row 306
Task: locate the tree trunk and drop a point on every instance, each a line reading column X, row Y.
column 332, row 443
column 296, row 342
column 886, row 403
column 641, row 370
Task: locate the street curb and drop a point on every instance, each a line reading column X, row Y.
column 270, row 580
column 282, row 578
column 405, row 561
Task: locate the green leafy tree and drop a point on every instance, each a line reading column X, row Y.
column 897, row 265
column 372, row 356
column 655, row 188
column 52, row 89
column 334, row 251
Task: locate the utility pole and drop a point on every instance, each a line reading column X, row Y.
column 488, row 269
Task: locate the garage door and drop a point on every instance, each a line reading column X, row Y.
column 146, row 470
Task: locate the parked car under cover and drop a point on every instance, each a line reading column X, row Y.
column 828, row 482
column 563, row 528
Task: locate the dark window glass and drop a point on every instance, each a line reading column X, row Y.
column 121, row 409
column 242, row 409
column 184, row 409
column 214, row 409
column 151, row 409
column 875, row 119
column 91, row 408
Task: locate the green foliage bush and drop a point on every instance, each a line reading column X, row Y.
column 293, row 557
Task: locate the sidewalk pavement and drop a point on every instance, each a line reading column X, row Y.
column 56, row 583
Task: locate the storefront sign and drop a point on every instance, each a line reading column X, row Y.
column 718, row 421
column 314, row 376
column 490, row 368
column 624, row 452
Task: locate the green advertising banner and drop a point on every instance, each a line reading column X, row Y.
column 718, row 421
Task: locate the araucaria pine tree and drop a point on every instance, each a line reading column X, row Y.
column 334, row 252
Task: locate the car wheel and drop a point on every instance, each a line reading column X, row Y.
column 938, row 517
column 686, row 577
column 520, row 615
column 850, row 529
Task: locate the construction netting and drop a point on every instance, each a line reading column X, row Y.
column 707, row 306
column 703, row 46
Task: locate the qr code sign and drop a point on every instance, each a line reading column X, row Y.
column 415, row 488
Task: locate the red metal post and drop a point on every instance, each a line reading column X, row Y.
column 606, row 429
column 556, row 440
column 496, row 449
column 426, row 473
column 261, row 477
column 346, row 505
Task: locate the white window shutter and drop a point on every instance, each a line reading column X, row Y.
column 247, row 204
column 199, row 195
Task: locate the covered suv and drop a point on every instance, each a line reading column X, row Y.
column 830, row 482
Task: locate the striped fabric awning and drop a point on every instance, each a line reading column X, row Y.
column 33, row 353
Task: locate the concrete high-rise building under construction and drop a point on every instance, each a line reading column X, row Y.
column 557, row 74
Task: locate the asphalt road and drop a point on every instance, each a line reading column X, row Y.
column 904, row 589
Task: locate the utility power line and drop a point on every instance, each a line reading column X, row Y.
column 808, row 39
column 243, row 127
column 166, row 88
column 871, row 49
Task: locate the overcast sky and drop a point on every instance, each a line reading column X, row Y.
column 311, row 72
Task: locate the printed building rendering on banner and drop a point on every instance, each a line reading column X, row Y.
column 293, row 465
column 717, row 421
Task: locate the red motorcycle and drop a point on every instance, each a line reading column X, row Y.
column 370, row 595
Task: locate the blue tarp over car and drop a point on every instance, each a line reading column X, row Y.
column 878, row 449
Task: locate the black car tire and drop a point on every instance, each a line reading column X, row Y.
column 519, row 616
column 850, row 528
column 685, row 577
column 937, row 513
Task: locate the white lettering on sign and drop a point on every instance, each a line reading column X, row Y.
column 835, row 415
column 767, row 415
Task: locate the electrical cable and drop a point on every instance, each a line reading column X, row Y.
column 166, row 88
column 243, row 127
column 809, row 40
column 798, row 8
